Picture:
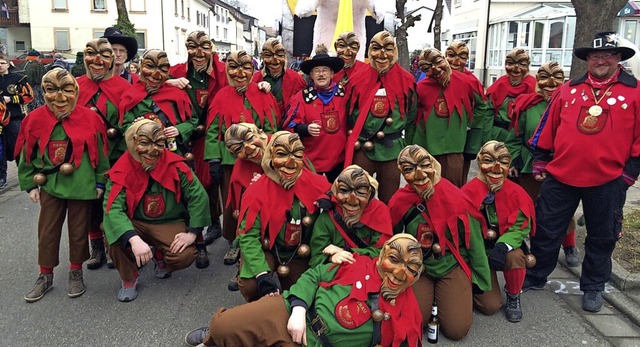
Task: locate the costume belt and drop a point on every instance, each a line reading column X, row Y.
column 501, row 124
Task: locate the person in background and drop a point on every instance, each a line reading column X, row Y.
column 34, row 70
column 134, row 68
column 125, row 49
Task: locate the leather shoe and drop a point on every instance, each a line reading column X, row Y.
column 214, row 232
column 196, row 337
column 592, row 301
column 571, row 256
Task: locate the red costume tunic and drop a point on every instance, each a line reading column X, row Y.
column 291, row 84
column 606, row 141
column 344, row 76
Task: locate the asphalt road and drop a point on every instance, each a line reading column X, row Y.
column 166, row 309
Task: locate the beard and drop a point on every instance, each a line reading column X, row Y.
column 287, row 183
column 426, row 194
column 351, row 220
column 387, row 293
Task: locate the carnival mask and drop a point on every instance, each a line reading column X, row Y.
column 154, row 69
column 353, row 190
column 434, row 64
column 383, row 52
column 200, row 49
column 347, row 47
column 494, row 161
column 149, row 141
column 457, row 55
column 550, row 76
column 399, row 265
column 517, row 65
column 60, row 92
column 99, row 60
column 274, row 57
column 283, row 158
column 239, row 68
column 419, row 169
column 246, row 141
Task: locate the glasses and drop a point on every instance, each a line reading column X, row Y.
column 320, row 71
column 605, row 56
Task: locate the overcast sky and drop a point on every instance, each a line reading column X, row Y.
column 267, row 11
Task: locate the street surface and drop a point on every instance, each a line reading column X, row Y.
column 166, row 309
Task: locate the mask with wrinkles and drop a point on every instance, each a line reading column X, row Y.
column 154, row 69
column 246, row 141
column 283, row 159
column 399, row 265
column 517, row 65
column 200, row 49
column 239, row 69
column 60, row 92
column 274, row 57
column 353, row 191
column 383, row 52
column 419, row 169
column 550, row 76
column 347, row 47
column 457, row 55
column 99, row 60
column 494, row 161
column 149, row 141
column 434, row 64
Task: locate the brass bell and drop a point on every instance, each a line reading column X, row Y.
column 377, row 315
column 112, row 133
column 188, row 156
column 39, row 179
column 283, row 270
column 530, row 260
column 200, row 129
column 349, row 132
column 436, row 248
column 380, row 135
column 491, row 235
column 66, row 169
column 266, row 244
column 389, row 120
column 102, row 226
column 368, row 146
column 304, row 250
column 236, row 213
column 307, row 221
column 357, row 146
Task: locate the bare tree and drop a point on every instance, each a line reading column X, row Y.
column 592, row 16
column 401, row 32
column 123, row 23
column 437, row 28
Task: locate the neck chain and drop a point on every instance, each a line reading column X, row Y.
column 596, row 109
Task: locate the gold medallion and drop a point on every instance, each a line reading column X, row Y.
column 595, row 110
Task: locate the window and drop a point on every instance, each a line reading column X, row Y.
column 555, row 34
column 141, row 37
column 138, row 6
column 61, row 37
column 188, row 14
column 457, row 3
column 182, row 8
column 175, row 7
column 20, row 46
column 98, row 33
column 217, row 32
column 60, row 4
column 177, row 41
column 225, row 31
column 98, row 5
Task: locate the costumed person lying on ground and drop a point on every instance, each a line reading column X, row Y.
column 368, row 302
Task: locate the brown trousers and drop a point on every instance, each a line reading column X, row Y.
column 453, row 168
column 490, row 301
column 249, row 286
column 452, row 294
column 159, row 236
column 50, row 222
column 387, row 174
column 268, row 318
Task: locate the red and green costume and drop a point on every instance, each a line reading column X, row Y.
column 526, row 111
column 500, row 94
column 344, row 76
column 282, row 88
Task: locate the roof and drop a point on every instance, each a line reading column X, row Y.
column 538, row 12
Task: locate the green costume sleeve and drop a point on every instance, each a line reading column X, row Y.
column 514, row 144
column 307, row 285
column 320, row 238
column 515, row 235
column 479, row 129
column 186, row 129
column 212, row 147
column 477, row 258
column 116, row 221
column 410, row 127
column 196, row 200
column 253, row 260
column 103, row 163
column 25, row 173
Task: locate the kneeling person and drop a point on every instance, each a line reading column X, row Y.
column 153, row 200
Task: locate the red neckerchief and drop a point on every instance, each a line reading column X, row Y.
column 398, row 85
column 510, row 200
column 128, row 173
column 268, row 199
column 520, row 105
column 241, row 176
column 597, row 83
column 349, row 72
column 165, row 98
column 458, row 96
column 229, row 106
column 375, row 216
column 477, row 85
column 406, row 320
column 502, row 88
column 111, row 89
column 292, row 83
column 81, row 127
column 217, row 76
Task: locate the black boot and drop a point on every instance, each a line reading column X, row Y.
column 202, row 259
column 214, row 231
column 512, row 308
column 98, row 255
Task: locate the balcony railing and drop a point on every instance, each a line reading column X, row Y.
column 12, row 21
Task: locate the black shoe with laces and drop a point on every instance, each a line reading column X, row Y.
column 214, row 232
column 512, row 309
column 202, row 258
column 571, row 256
column 196, row 337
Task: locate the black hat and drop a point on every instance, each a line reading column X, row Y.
column 322, row 59
column 605, row 41
column 114, row 35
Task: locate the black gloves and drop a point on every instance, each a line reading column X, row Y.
column 215, row 170
column 324, row 202
column 266, row 284
column 498, row 256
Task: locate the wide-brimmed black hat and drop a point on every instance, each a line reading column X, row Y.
column 114, row 35
column 605, row 41
column 322, row 59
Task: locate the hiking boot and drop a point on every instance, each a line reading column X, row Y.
column 110, row 263
column 128, row 290
column 512, row 309
column 214, row 232
column 44, row 283
column 3, row 183
column 592, row 301
column 202, row 259
column 530, row 285
column 76, row 285
column 196, row 337
column 571, row 256
column 98, row 255
column 232, row 255
column 160, row 269
column 232, row 286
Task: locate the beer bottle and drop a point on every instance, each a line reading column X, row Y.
column 433, row 327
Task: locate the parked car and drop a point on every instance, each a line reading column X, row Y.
column 45, row 58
